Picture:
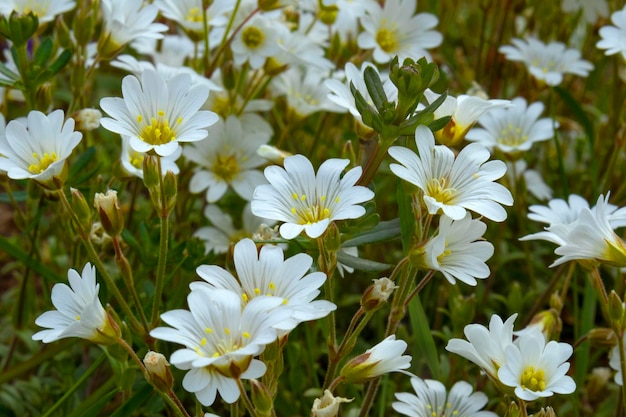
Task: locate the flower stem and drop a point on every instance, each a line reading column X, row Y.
column 246, row 400
column 163, row 246
column 557, row 146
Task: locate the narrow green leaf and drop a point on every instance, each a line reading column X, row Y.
column 360, row 263
column 4, row 70
column 20, row 255
column 384, row 230
column 375, row 87
column 423, row 341
column 407, row 219
column 43, row 52
column 134, row 403
column 61, row 61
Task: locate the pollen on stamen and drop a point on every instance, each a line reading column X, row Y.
column 272, row 286
column 336, row 199
column 475, row 175
column 293, row 210
column 295, row 196
column 203, row 341
column 285, row 301
column 245, row 298
column 139, row 118
column 179, row 120
column 246, row 335
column 257, row 291
column 77, row 317
column 161, row 113
column 303, row 197
column 226, row 330
column 208, row 330
column 323, row 198
column 35, row 155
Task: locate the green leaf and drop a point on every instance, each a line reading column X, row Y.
column 375, row 88
column 23, row 257
column 407, row 219
column 384, row 230
column 61, row 61
column 134, row 403
column 424, row 343
column 439, row 123
column 43, row 52
column 4, row 70
column 360, row 263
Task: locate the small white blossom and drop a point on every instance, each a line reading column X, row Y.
column 613, row 36
column 387, row 356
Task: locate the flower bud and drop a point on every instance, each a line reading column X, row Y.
column 170, row 190
column 328, row 14
column 159, row 373
column 545, row 412
column 548, row 322
column 272, row 153
column 383, row 358
column 602, row 337
column 261, row 398
column 88, row 119
column 616, row 310
column 377, row 294
column 82, row 211
column 108, row 208
column 150, row 172
column 327, row 405
column 19, row 27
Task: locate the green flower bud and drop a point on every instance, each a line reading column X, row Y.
column 81, row 209
column 159, row 373
column 19, row 27
column 108, row 208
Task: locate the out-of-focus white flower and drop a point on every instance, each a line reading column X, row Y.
column 534, row 182
column 432, row 399
column 132, row 161
column 485, row 347
column 464, row 111
column 157, row 114
column 267, row 273
column 547, row 62
column 615, row 364
column 457, row 251
column 127, row 20
column 221, row 339
column 79, row 311
column 395, row 29
column 514, row 128
column 45, row 11
column 228, row 158
column 592, row 9
column 255, row 42
column 342, row 95
column 305, row 91
column 535, row 368
column 306, row 201
column 88, row 119
column 222, row 233
column 613, row 36
column 188, row 13
column 453, row 185
column 385, row 357
column 38, row 146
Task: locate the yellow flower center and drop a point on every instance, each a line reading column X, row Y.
column 387, row 40
column 36, row 7
column 313, row 213
column 512, row 136
column 226, row 167
column 158, row 132
column 42, row 162
column 533, row 379
column 440, row 191
column 136, row 159
column 194, row 15
column 252, row 37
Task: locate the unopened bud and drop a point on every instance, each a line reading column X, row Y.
column 272, row 153
column 108, row 208
column 150, row 172
column 602, row 337
column 548, row 322
column 88, row 119
column 616, row 310
column 159, row 372
column 261, row 398
column 377, row 294
column 170, row 190
column 19, row 27
column 82, row 211
column 328, row 14
column 327, row 405
column 274, row 67
column 545, row 412
column 513, row 410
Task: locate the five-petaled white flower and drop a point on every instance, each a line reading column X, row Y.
column 395, row 29
column 547, row 62
column 453, row 185
column 37, row 147
column 44, row 10
column 535, row 368
column 158, row 114
column 512, row 129
column 387, row 356
column 255, row 42
column 306, row 201
column 79, row 311
column 221, row 339
column 268, row 273
column 432, row 399
column 457, row 251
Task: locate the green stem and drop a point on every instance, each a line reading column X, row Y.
column 557, row 146
column 622, row 362
column 93, row 256
column 163, row 246
column 246, row 400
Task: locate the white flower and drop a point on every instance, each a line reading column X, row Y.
column 342, row 95
column 592, row 9
column 158, row 114
column 431, row 398
column 327, row 405
column 535, row 368
column 255, row 42
column 613, row 36
column 227, row 158
column 302, row 47
column 453, row 185
column 457, row 252
column 535, row 184
column 512, row 129
column 306, row 201
column 305, row 92
column 79, row 311
column 485, row 347
column 220, row 341
column 382, row 358
column 44, row 10
column 132, row 161
column 591, row 237
column 188, row 13
column 395, row 29
column 37, row 147
column 547, row 62
column 268, row 274
column 222, row 233
column 127, row 20
column 464, row 111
